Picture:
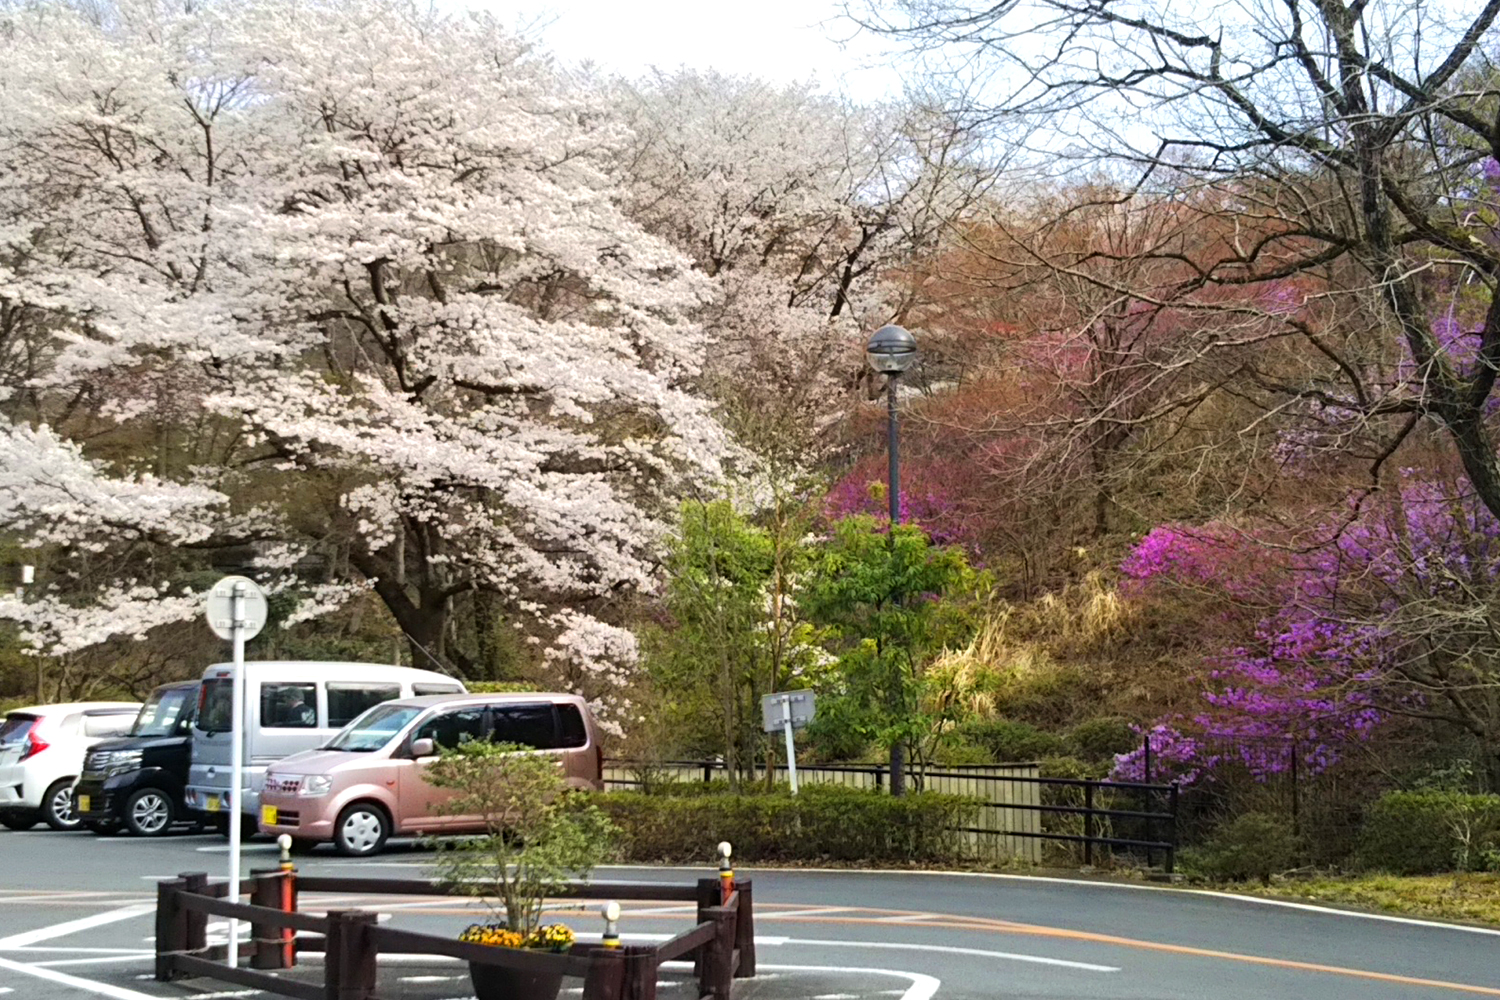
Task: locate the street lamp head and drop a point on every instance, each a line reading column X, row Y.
column 891, row 350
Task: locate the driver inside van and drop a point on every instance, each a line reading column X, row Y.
column 297, row 712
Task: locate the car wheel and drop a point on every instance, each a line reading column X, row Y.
column 18, row 820
column 57, row 806
column 361, row 830
column 149, row 813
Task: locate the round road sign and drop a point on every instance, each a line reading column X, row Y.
column 221, row 608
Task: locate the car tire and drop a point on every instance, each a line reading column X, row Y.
column 19, row 821
column 57, row 806
column 361, row 830
column 303, row 845
column 149, row 812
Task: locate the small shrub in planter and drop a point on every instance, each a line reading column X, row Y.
column 537, row 838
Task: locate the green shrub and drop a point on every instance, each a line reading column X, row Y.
column 824, row 822
column 1013, row 741
column 1253, row 845
column 500, row 687
column 1101, row 739
column 1421, row 833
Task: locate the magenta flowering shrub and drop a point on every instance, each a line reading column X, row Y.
column 1342, row 632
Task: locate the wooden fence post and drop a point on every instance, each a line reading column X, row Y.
column 744, row 931
column 708, row 897
column 349, row 963
column 171, row 929
column 606, row 978
column 273, row 945
column 195, row 921
column 640, row 972
column 717, row 973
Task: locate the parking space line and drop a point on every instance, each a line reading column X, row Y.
column 63, row 979
column 74, row 926
column 923, row 987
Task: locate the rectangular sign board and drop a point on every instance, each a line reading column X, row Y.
column 775, row 707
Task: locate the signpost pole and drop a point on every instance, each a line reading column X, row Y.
column 236, row 610
column 237, row 765
column 791, row 752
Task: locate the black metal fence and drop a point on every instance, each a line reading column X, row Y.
column 1095, row 820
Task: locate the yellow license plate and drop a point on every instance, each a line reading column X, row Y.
column 83, row 803
column 268, row 815
column 211, row 803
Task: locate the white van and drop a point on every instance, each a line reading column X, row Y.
column 290, row 706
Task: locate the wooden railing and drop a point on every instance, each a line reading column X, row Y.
column 721, row 944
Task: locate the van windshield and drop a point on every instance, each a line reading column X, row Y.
column 163, row 714
column 374, row 729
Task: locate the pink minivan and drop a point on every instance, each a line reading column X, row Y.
column 366, row 784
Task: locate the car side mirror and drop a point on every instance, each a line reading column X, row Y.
column 423, row 748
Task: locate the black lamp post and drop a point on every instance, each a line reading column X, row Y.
column 891, row 351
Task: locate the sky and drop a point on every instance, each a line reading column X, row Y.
column 778, row 40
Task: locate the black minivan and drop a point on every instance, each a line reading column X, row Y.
column 137, row 781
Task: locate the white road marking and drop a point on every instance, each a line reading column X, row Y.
column 922, row 987
column 429, row 979
column 96, row 960
column 83, row 951
column 62, row 978
column 955, row 950
column 74, row 926
column 245, row 849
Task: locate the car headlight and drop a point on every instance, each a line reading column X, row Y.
column 316, row 784
column 125, row 760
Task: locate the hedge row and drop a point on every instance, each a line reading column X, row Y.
column 823, row 823
column 1423, row 833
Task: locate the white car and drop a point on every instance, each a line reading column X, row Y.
column 41, row 753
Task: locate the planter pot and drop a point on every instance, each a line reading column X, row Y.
column 495, row 982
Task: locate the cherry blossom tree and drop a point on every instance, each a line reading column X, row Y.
column 357, row 273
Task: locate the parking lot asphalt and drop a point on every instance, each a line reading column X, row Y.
column 76, row 921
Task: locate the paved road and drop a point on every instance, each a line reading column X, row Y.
column 77, row 909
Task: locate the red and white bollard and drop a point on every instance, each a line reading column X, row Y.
column 726, row 873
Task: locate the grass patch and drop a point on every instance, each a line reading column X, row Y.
column 1472, row 897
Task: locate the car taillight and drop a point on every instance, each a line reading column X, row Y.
column 34, row 746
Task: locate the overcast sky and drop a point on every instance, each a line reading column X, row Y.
column 780, row 40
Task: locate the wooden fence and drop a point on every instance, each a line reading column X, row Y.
column 721, row 944
column 1008, row 827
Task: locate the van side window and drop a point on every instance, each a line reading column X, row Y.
column 288, row 705
column 346, row 699
column 450, row 728
column 418, row 689
column 572, row 729
column 529, row 725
